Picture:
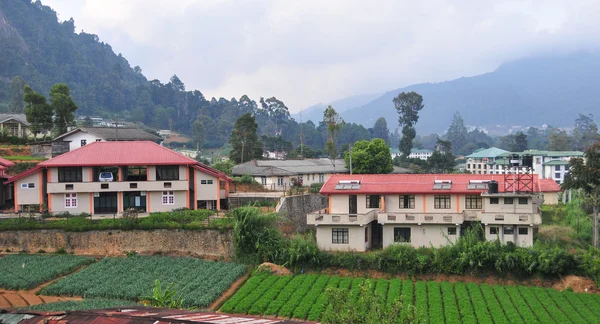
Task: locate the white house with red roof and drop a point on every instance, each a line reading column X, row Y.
column 425, row 210
column 110, row 177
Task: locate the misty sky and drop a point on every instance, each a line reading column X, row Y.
column 309, row 51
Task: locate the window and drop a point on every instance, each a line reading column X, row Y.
column 557, row 174
column 401, row 234
column 69, row 187
column 313, row 176
column 263, row 180
column 99, row 140
column 339, row 235
column 300, row 178
column 168, row 198
column 523, row 200
column 71, row 200
column 366, row 234
column 372, row 201
column 167, row 172
column 104, row 186
column 523, row 231
column 407, row 202
column 280, row 181
column 473, row 202
column 211, row 182
column 83, row 142
column 557, row 168
column 493, row 201
column 494, row 230
column 441, row 202
column 133, row 186
column 468, row 165
column 29, row 185
column 321, row 178
column 479, row 166
column 451, row 230
column 69, row 174
column 136, row 173
column 508, row 230
column 508, row 200
column 167, row 185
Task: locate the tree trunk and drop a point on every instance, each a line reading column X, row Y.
column 595, row 236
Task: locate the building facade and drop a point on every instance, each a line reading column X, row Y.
column 422, row 154
column 371, row 211
column 82, row 136
column 111, row 177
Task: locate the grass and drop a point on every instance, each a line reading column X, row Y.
column 28, row 271
column 199, row 282
column 24, row 158
column 303, row 297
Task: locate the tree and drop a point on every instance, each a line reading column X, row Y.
column 442, row 160
column 63, row 106
column 520, row 142
column 38, row 112
column 559, row 140
column 332, row 119
column 87, row 122
column 302, row 151
column 198, row 133
column 585, row 132
column 224, row 166
column 408, row 106
column 457, row 133
column 17, row 86
column 585, row 175
column 244, row 140
column 380, row 130
column 370, row 157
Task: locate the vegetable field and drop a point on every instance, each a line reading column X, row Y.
column 303, row 297
column 199, row 282
column 28, row 271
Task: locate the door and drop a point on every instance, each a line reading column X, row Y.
column 376, row 235
column 105, row 203
column 352, row 205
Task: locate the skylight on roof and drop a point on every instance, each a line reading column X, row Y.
column 442, row 186
column 347, row 186
column 477, row 186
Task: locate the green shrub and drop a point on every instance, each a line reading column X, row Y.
column 316, row 187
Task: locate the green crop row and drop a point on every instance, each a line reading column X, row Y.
column 199, row 282
column 27, row 271
column 245, row 304
column 304, row 297
column 246, row 289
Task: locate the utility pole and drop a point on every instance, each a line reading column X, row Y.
column 351, row 159
column 243, row 144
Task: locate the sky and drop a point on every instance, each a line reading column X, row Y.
column 309, row 51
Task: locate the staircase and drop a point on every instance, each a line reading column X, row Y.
column 234, row 202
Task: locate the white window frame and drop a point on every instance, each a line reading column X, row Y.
column 321, row 177
column 168, row 198
column 280, row 181
column 71, row 200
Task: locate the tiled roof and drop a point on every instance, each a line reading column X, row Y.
column 414, row 183
column 487, row 153
column 114, row 134
column 211, row 171
column 549, row 185
column 119, row 154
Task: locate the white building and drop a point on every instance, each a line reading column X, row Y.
column 85, row 135
column 422, row 154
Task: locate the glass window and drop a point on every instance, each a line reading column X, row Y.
column 366, row 234
column 523, row 231
column 372, row 201
column 136, row 173
column 280, row 181
column 83, row 142
column 339, row 235
column 407, row 202
column 557, row 167
column 557, row 174
column 509, row 230
column 263, row 180
column 451, row 230
column 69, row 174
column 523, row 200
column 508, row 200
column 321, row 178
column 71, row 200
column 401, row 234
column 168, row 198
column 441, row 202
column 493, row 201
column 494, row 230
column 167, row 172
column 31, row 185
column 473, row 202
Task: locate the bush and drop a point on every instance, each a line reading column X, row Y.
column 316, row 187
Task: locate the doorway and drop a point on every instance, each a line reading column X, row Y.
column 105, row 203
column 376, row 235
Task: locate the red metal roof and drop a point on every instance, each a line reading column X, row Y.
column 119, row 154
column 413, row 183
column 206, row 169
column 23, row 174
column 6, row 163
column 549, row 185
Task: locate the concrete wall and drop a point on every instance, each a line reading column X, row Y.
column 154, row 202
column 29, row 196
column 75, row 139
column 551, row 198
column 356, row 238
column 295, row 209
column 212, row 243
column 523, row 240
column 56, row 203
column 435, row 235
column 206, row 191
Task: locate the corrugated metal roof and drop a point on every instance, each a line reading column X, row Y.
column 119, row 154
column 549, row 185
column 487, row 153
column 113, row 133
column 289, row 167
column 18, row 117
column 6, row 163
column 414, row 183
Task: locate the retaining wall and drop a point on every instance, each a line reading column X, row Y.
column 295, row 209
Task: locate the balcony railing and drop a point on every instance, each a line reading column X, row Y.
column 414, row 218
column 505, row 218
column 66, row 187
column 321, row 218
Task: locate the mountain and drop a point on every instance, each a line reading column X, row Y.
column 532, row 91
column 315, row 112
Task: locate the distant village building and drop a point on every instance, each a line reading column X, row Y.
column 547, row 164
column 85, row 135
column 415, row 153
column 5, row 190
column 164, row 132
column 15, row 125
column 274, row 155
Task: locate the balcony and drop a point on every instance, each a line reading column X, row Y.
column 415, row 218
column 67, row 187
column 322, row 218
column 504, row 218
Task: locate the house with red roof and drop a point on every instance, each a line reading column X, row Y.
column 110, row 177
column 369, row 211
column 5, row 190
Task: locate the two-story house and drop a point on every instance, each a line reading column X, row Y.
column 547, row 164
column 425, row 210
column 110, row 177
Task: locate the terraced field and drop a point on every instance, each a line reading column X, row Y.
column 302, row 297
